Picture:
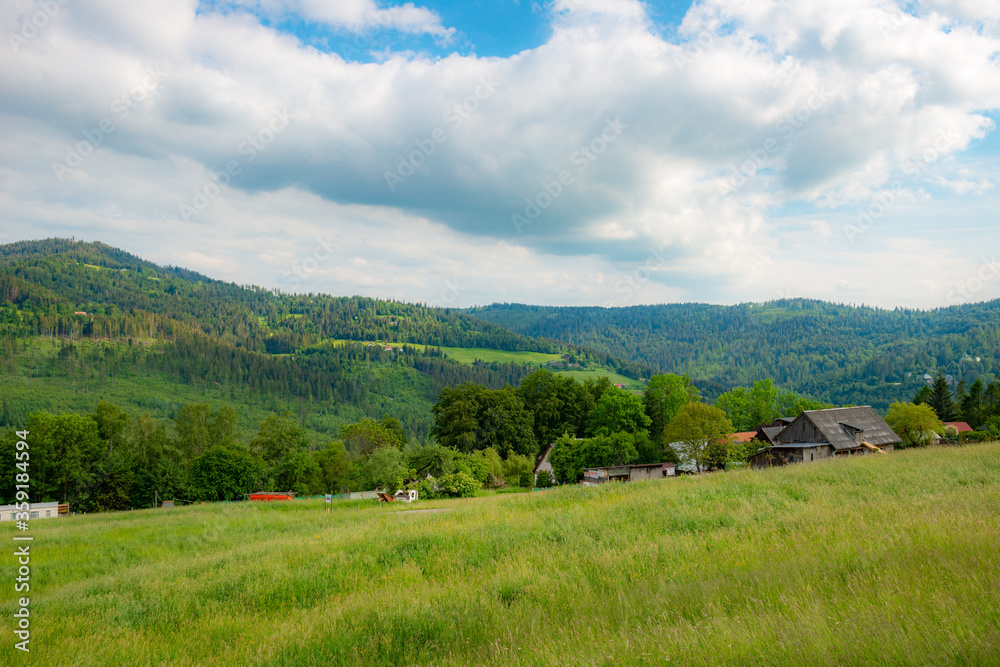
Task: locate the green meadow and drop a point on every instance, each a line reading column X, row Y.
column 882, row 560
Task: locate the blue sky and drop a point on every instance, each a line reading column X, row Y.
column 566, row 152
column 500, row 28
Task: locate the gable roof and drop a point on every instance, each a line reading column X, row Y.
column 744, row 436
column 831, row 423
column 961, row 427
column 771, row 431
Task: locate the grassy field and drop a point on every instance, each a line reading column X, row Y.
column 872, row 560
column 466, row 355
column 581, row 375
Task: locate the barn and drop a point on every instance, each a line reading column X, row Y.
column 820, row 434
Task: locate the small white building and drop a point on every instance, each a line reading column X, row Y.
column 35, row 511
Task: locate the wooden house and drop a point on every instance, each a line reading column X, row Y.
column 629, row 473
column 820, row 434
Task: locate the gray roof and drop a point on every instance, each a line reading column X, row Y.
column 828, row 422
column 771, row 431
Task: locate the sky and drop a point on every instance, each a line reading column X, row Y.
column 561, row 152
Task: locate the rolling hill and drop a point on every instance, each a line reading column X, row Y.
column 841, row 354
column 81, row 322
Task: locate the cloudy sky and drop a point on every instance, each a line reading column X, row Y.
column 566, row 152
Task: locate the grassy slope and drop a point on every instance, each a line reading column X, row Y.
column 881, row 560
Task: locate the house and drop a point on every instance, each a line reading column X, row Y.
column 821, row 434
column 961, row 427
column 766, row 432
column 631, row 473
column 35, row 511
column 544, row 465
column 268, row 496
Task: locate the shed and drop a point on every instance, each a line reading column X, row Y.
column 629, row 473
column 35, row 511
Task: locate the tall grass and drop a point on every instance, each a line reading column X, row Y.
column 870, row 560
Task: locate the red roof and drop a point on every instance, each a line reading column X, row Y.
column 961, row 427
column 744, row 436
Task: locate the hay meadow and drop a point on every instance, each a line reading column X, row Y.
column 879, row 560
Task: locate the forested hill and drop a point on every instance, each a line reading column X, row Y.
column 55, row 278
column 842, row 354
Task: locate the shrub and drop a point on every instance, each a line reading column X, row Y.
column 458, row 485
column 544, row 480
column 526, row 480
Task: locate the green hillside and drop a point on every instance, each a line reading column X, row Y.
column 866, row 560
column 82, row 322
column 841, row 354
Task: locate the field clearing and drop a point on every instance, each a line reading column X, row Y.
column 588, row 373
column 869, row 560
column 467, row 355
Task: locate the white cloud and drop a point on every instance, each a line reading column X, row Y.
column 769, row 124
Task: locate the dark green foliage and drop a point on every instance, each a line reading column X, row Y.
column 224, row 473
column 663, row 398
column 617, row 411
column 570, row 456
column 839, row 354
column 749, row 409
column 472, row 417
column 559, row 404
column 941, row 399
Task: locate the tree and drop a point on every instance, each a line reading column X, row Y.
column 916, row 425
column 941, row 399
column 385, row 469
column 64, row 450
column 570, row 456
column 972, row 404
column 334, row 466
column 277, row 437
column 618, row 411
column 224, row 473
column 111, row 423
column 558, row 404
column 694, row 430
column 749, row 408
column 299, row 472
column 662, row 400
column 364, row 437
column 470, row 417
